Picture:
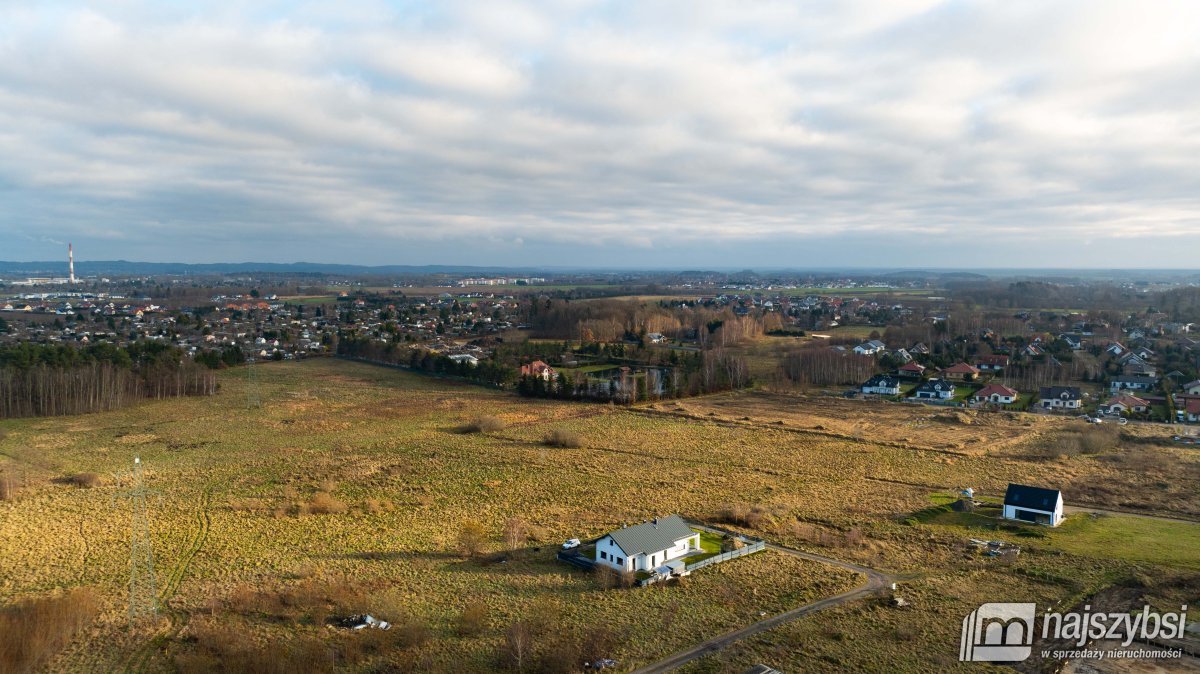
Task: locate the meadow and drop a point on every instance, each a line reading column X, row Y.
column 354, row 489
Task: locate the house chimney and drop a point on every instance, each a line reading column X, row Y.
column 70, row 263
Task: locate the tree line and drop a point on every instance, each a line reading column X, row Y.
column 55, row 379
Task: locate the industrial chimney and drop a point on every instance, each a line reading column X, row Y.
column 71, row 263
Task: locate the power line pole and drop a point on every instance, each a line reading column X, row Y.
column 253, row 399
column 143, row 585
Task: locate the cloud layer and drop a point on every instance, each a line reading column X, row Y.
column 574, row 132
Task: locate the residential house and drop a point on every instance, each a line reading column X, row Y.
column 656, row 337
column 870, row 348
column 912, row 369
column 902, row 355
column 1073, row 341
column 1128, row 382
column 991, row 363
column 935, row 389
column 538, row 369
column 647, row 546
column 1192, row 410
column 996, row 393
column 919, row 349
column 1192, row 388
column 1060, row 397
column 1033, row 504
column 1138, row 367
column 882, row 384
column 1116, row 349
column 960, row 372
column 1125, row 404
column 1032, row 350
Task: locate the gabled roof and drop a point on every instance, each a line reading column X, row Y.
column 998, row 389
column 1063, row 392
column 1031, row 497
column 961, row 368
column 1134, row 379
column 1192, row 384
column 1127, row 401
column 936, row 385
column 912, row 367
column 654, row 536
column 881, row 380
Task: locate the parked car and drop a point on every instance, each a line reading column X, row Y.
column 571, row 543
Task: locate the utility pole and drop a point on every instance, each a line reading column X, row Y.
column 253, row 399
column 143, row 585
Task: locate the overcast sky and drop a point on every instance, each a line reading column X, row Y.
column 896, row 133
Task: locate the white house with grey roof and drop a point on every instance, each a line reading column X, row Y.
column 647, row 546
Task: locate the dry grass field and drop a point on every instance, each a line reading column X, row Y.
column 350, row 488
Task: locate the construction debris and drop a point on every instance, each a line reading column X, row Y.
column 363, row 621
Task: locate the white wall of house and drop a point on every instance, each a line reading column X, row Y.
column 997, row 398
column 1059, row 402
column 611, row 554
column 1056, row 516
column 882, row 390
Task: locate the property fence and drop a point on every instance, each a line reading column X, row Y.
column 575, row 559
column 726, row 556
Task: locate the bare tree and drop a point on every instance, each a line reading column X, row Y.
column 516, row 532
column 517, row 650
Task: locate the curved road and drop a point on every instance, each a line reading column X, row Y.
column 876, row 581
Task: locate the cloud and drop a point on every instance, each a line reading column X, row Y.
column 577, row 128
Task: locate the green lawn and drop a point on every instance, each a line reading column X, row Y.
column 1130, row 538
column 963, row 391
column 1118, row 537
column 711, row 545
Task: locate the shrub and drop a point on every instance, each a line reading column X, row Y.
column 323, row 503
column 753, row 517
column 473, row 619
column 563, row 438
column 8, row 487
column 485, row 424
column 32, row 631
column 410, row 632
column 232, row 650
column 84, row 480
column 471, row 538
column 608, row 578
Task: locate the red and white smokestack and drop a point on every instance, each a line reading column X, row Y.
column 71, row 262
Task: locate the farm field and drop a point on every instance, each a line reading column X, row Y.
column 348, row 489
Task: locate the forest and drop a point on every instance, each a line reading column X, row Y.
column 55, row 379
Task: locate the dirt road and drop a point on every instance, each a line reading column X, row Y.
column 876, row 581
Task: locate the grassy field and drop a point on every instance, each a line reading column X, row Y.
column 1116, row 537
column 351, row 488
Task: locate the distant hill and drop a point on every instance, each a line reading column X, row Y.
column 126, row 268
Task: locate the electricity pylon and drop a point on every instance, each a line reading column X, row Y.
column 253, row 399
column 143, row 585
